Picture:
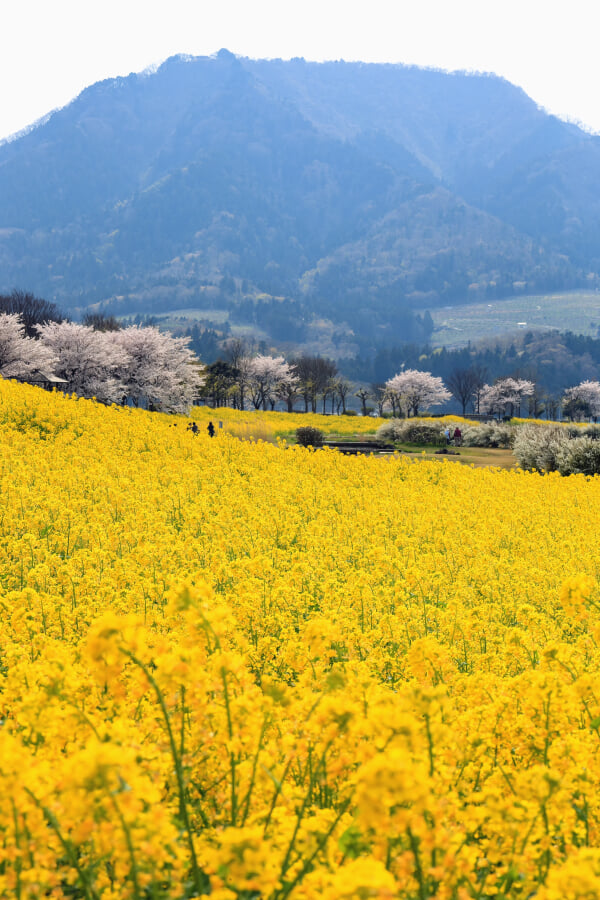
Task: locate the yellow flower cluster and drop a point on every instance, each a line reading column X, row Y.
column 262, row 672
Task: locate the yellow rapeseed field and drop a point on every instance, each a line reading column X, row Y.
column 254, row 671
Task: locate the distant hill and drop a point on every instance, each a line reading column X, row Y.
column 288, row 192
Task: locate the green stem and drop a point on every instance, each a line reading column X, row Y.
column 246, row 804
column 130, row 850
column 321, row 841
column 232, row 759
column 17, row 856
column 67, row 846
column 278, row 788
column 429, row 745
column 183, row 811
column 414, row 846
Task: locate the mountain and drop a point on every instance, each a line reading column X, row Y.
column 284, row 193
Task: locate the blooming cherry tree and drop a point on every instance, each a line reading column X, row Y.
column 586, row 395
column 415, row 391
column 89, row 360
column 506, row 392
column 21, row 356
column 268, row 379
column 160, row 370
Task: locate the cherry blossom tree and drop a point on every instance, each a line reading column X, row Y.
column 583, row 399
column 89, row 360
column 505, row 393
column 268, row 377
column 161, row 371
column 415, row 391
column 21, row 356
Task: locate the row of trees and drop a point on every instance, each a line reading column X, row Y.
column 144, row 366
column 260, row 382
column 412, row 392
column 141, row 366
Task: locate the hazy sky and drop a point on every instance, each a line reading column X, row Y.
column 51, row 49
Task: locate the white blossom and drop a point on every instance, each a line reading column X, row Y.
column 160, row 371
column 588, row 392
column 416, row 391
column 20, row 356
column 89, row 360
column 267, row 377
column 505, row 392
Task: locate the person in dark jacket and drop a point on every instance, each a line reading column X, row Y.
column 211, row 429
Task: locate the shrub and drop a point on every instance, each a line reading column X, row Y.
column 579, row 456
column 589, row 431
column 539, row 447
column 489, row 435
column 350, row 412
column 410, row 431
column 307, row 436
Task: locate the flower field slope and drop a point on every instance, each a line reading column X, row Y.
column 253, row 671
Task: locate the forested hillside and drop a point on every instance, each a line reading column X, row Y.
column 285, row 193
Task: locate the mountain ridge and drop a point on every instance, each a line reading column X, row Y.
column 329, row 184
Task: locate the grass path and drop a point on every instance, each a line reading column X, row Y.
column 469, row 456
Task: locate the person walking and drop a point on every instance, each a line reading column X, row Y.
column 457, row 437
column 211, row 429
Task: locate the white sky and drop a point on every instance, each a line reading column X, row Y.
column 51, row 49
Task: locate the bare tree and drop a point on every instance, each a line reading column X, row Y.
column 329, row 390
column 551, row 406
column 220, row 383
column 462, row 384
column 536, row 405
column 314, row 374
column 363, row 395
column 32, row 310
column 379, row 392
column 343, row 388
column 101, row 322
column 325, row 371
column 480, row 377
column 236, row 349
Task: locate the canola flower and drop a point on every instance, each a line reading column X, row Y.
column 247, row 670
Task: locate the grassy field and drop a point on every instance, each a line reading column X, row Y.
column 577, row 311
column 468, row 456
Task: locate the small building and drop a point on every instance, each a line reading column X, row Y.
column 47, row 380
